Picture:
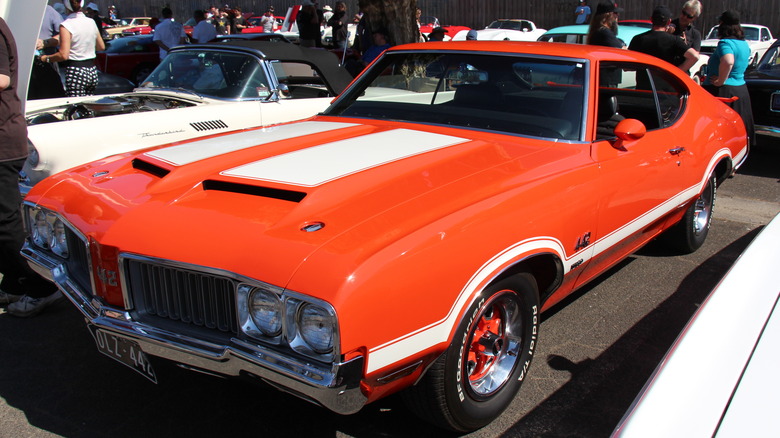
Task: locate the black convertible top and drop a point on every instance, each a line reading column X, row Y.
column 326, row 63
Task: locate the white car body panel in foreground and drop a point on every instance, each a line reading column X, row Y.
column 720, row 378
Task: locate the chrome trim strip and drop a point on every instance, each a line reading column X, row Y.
column 772, row 131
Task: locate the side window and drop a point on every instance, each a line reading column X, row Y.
column 672, row 96
column 632, row 91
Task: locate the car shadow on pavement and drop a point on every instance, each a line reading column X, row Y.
column 602, row 389
column 53, row 379
column 763, row 158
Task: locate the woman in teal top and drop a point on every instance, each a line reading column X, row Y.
column 726, row 68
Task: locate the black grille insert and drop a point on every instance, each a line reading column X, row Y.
column 184, row 296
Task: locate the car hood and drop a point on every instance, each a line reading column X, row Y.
column 38, row 105
column 270, row 198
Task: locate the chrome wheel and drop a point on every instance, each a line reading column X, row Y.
column 702, row 212
column 493, row 345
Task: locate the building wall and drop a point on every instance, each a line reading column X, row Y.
column 479, row 13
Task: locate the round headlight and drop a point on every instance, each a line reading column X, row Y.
column 58, row 240
column 265, row 308
column 40, row 229
column 316, row 327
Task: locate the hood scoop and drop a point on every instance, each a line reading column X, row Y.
column 150, row 168
column 253, row 190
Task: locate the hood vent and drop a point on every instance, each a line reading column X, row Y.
column 247, row 189
column 147, row 167
column 209, row 125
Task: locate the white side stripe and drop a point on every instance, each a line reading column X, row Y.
column 191, row 152
column 329, row 161
column 426, row 337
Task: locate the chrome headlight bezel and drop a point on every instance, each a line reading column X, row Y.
column 46, row 230
column 292, row 307
column 315, row 327
column 58, row 242
column 265, row 309
column 39, row 228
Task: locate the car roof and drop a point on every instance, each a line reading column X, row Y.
column 575, row 51
column 626, row 33
column 335, row 77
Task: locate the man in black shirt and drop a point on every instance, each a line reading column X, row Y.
column 661, row 44
column 682, row 26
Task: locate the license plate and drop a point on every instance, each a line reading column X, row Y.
column 124, row 351
column 775, row 101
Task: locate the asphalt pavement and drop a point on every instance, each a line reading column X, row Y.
column 597, row 349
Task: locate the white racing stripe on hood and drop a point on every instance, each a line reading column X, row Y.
column 319, row 164
column 190, row 152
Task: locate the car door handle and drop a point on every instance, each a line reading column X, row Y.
column 676, row 151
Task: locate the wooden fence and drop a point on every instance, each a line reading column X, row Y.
column 478, row 13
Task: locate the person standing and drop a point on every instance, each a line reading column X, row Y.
column 308, row 21
column 25, row 292
column 45, row 77
column 168, row 33
column 239, row 22
column 727, row 65
column 603, row 26
column 338, row 25
column 662, row 44
column 582, row 13
column 682, row 26
column 203, row 31
column 79, row 39
column 327, row 13
column 268, row 21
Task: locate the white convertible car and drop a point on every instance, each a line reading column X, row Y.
column 506, row 29
column 213, row 88
column 758, row 37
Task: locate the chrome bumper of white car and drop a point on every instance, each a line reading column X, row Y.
column 772, row 131
column 336, row 386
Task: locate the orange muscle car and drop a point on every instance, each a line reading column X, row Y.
column 407, row 238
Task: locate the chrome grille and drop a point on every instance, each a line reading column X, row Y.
column 189, row 297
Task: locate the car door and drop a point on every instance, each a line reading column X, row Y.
column 639, row 180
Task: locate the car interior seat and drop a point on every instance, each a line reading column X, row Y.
column 608, row 116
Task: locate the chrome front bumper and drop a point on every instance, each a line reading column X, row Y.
column 336, row 387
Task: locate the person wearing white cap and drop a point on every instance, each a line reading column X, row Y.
column 79, row 40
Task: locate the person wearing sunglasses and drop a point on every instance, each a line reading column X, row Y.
column 683, row 26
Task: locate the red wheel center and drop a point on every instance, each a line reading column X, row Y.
column 487, row 343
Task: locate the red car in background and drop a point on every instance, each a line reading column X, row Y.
column 132, row 57
column 254, row 24
column 137, row 30
column 427, row 24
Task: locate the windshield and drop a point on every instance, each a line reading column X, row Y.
column 751, row 33
column 215, row 74
column 129, row 45
column 512, row 25
column 511, row 94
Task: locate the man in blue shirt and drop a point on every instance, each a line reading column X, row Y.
column 582, row 13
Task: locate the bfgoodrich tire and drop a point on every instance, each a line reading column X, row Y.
column 484, row 367
column 689, row 234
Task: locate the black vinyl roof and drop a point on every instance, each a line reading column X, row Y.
column 336, row 78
